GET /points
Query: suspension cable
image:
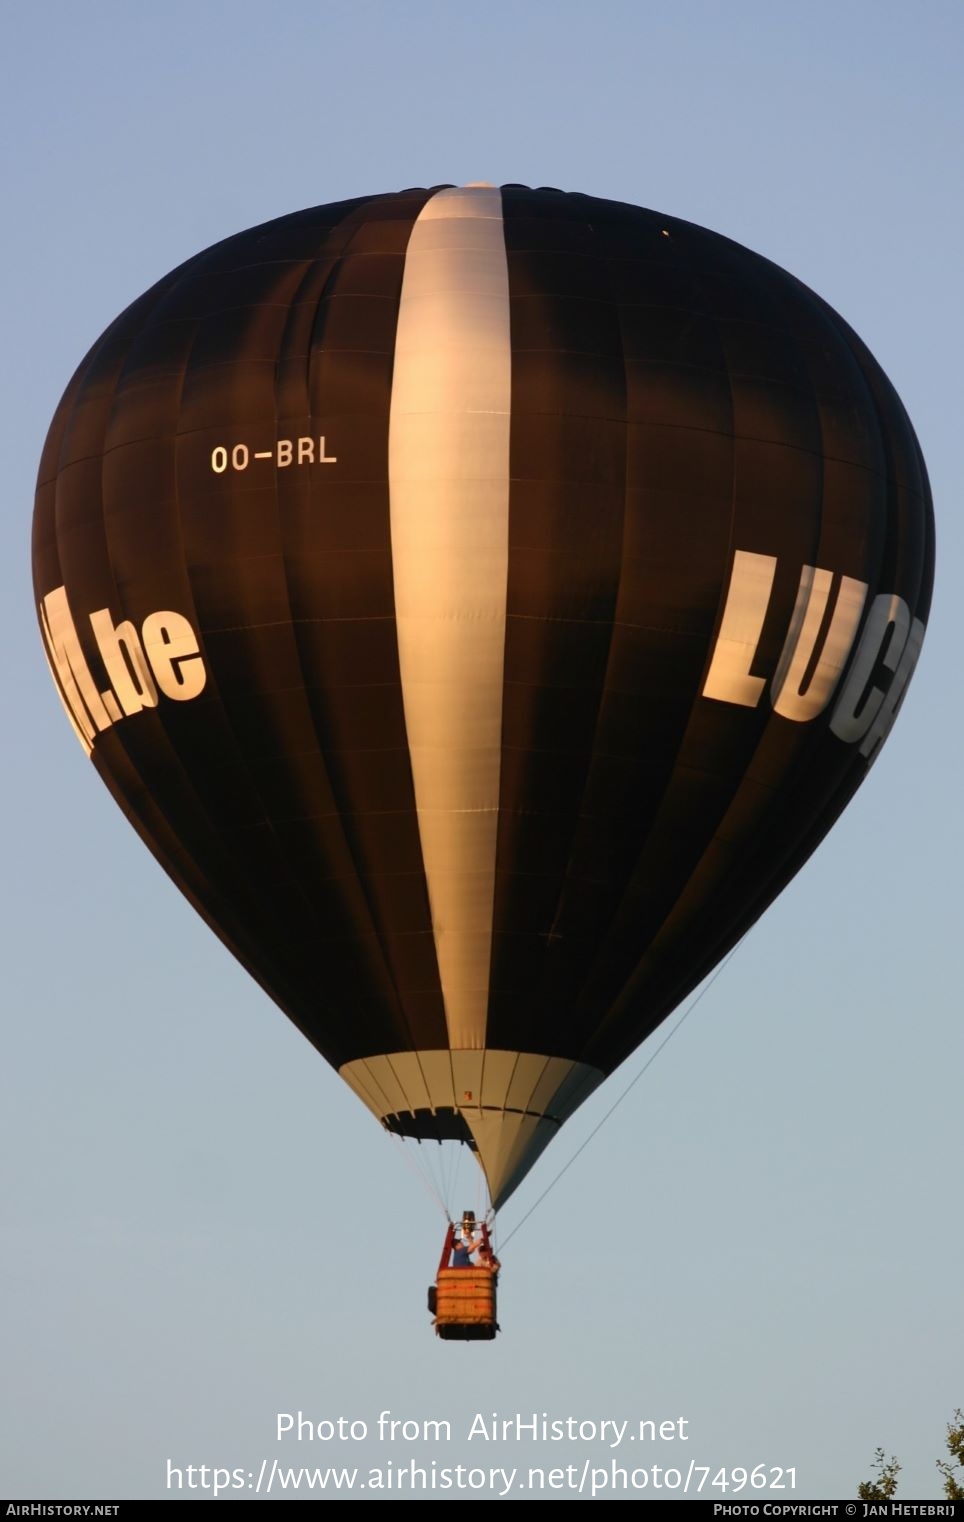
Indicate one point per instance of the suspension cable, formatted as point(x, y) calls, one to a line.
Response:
point(422, 1172)
point(631, 1085)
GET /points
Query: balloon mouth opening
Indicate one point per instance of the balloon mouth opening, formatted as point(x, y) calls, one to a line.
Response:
point(431, 1125)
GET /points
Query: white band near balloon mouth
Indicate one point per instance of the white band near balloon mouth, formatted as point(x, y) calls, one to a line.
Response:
point(511, 1103)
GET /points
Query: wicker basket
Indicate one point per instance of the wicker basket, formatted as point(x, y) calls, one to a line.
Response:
point(465, 1304)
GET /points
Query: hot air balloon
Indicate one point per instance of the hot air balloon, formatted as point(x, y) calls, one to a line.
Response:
point(481, 602)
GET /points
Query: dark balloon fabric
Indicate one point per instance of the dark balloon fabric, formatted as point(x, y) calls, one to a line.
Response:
point(481, 603)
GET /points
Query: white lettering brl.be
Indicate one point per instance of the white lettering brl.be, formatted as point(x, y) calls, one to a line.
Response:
point(164, 655)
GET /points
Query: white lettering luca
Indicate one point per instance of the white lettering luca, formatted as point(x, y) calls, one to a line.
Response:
point(890, 640)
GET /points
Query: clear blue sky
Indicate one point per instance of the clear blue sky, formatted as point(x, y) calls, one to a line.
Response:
point(203, 1226)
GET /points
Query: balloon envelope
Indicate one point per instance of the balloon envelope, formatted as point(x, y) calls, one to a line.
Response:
point(481, 602)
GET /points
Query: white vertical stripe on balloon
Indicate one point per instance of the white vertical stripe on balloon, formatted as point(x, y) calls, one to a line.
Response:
point(448, 465)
